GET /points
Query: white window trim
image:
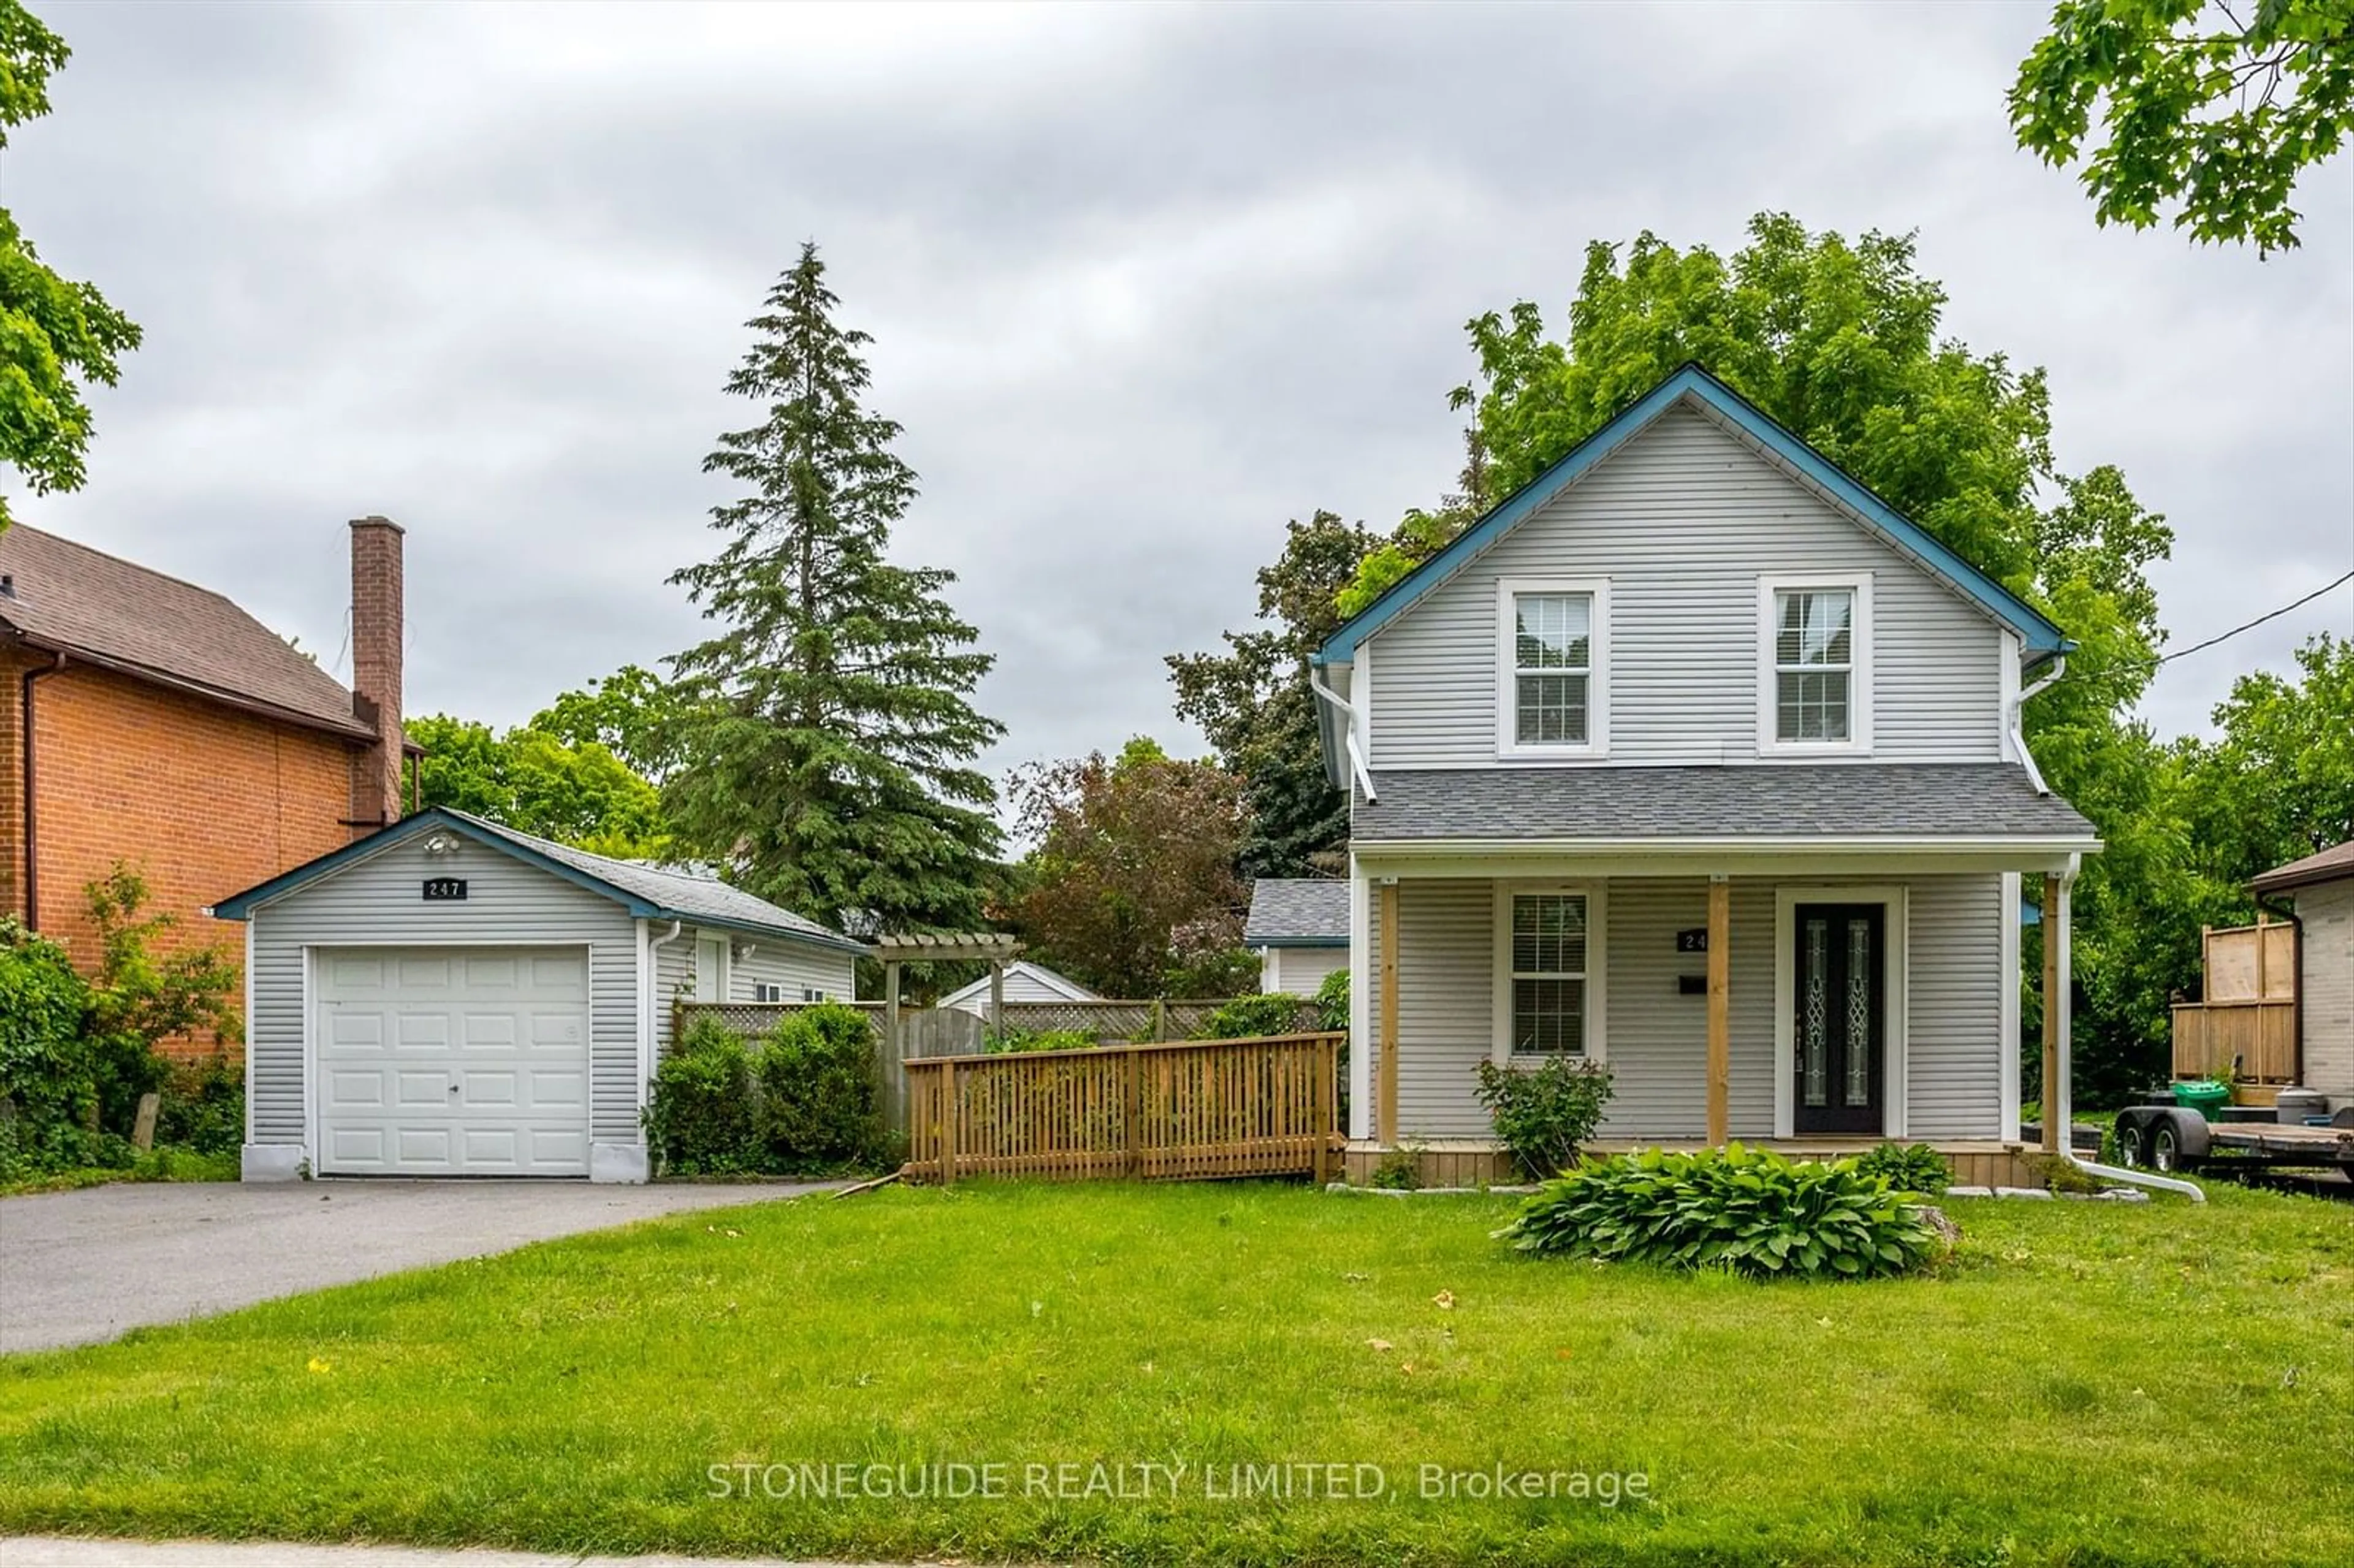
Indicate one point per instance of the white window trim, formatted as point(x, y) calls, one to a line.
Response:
point(1598, 926)
point(1860, 639)
point(1596, 743)
point(1895, 957)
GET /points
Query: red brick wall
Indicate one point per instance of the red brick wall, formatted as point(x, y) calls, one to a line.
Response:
point(202, 800)
point(12, 784)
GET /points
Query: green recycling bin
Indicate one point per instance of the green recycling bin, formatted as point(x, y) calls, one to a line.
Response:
point(2204, 1095)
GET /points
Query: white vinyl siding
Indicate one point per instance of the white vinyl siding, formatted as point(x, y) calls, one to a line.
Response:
point(1683, 523)
point(378, 902)
point(1299, 971)
point(1657, 1037)
point(795, 966)
point(2326, 914)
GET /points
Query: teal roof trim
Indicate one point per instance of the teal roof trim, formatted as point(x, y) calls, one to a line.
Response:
point(491, 835)
point(2042, 638)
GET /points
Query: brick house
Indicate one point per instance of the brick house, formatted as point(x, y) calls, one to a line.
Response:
point(148, 720)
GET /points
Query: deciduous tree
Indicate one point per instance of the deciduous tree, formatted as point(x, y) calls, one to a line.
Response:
point(56, 333)
point(1132, 888)
point(532, 781)
point(2213, 110)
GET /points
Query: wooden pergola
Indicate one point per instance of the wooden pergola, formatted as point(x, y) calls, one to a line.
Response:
point(994, 949)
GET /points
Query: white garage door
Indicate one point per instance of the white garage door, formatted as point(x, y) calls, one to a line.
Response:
point(452, 1061)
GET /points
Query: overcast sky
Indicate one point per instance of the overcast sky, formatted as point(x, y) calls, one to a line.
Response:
point(1144, 283)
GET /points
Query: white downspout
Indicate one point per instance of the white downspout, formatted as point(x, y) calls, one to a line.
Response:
point(2059, 1100)
point(653, 1003)
point(1357, 768)
point(2019, 724)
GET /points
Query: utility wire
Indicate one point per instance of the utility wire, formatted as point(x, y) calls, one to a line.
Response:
point(2250, 626)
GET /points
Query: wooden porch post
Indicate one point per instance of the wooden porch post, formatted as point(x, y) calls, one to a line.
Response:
point(1719, 996)
point(1386, 1091)
point(2052, 1010)
point(997, 999)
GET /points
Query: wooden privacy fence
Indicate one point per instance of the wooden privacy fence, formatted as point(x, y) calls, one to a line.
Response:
point(2249, 1011)
point(1183, 1110)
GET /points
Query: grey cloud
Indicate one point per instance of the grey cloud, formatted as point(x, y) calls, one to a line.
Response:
point(1143, 284)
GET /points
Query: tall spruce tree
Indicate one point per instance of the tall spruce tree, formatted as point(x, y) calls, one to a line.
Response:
point(828, 736)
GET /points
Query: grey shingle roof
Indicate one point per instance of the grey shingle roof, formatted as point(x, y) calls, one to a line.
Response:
point(1290, 911)
point(70, 596)
point(1826, 801)
point(2329, 865)
point(679, 895)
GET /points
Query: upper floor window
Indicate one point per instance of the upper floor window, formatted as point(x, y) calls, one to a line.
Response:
point(1552, 694)
point(1814, 688)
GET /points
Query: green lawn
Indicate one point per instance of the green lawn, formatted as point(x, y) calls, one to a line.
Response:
point(2085, 1384)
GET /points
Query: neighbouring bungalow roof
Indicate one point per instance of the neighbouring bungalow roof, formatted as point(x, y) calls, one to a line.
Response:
point(1829, 801)
point(2329, 865)
point(2042, 639)
point(1062, 985)
point(650, 892)
point(72, 600)
point(1298, 912)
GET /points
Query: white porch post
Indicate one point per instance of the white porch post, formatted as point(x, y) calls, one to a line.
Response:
point(1720, 992)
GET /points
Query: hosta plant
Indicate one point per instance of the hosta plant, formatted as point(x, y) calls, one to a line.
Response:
point(1749, 1210)
point(1909, 1167)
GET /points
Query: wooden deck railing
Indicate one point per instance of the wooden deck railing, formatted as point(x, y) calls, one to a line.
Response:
point(1181, 1111)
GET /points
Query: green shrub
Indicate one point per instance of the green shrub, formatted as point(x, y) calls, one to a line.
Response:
point(1270, 1012)
point(817, 1107)
point(203, 1107)
point(46, 1083)
point(700, 1117)
point(1332, 1001)
point(1908, 1168)
point(1399, 1171)
point(1020, 1039)
point(1542, 1115)
point(1747, 1210)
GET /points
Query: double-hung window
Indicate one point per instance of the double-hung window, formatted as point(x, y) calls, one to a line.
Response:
point(1552, 695)
point(1815, 691)
point(1548, 938)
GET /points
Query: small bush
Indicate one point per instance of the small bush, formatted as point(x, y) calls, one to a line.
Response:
point(1908, 1168)
point(1399, 1171)
point(1544, 1115)
point(699, 1116)
point(1332, 1001)
point(817, 1108)
point(203, 1107)
point(1270, 1012)
point(48, 1092)
point(1750, 1211)
point(1018, 1039)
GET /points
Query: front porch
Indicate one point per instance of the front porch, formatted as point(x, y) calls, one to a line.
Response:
point(1475, 1162)
point(1816, 1005)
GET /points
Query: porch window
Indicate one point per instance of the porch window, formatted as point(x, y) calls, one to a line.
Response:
point(1553, 668)
point(1549, 932)
point(1814, 666)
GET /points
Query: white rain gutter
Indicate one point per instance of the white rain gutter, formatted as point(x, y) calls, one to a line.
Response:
point(1357, 768)
point(2019, 723)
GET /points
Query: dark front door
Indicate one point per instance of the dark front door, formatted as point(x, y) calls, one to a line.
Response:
point(1840, 1023)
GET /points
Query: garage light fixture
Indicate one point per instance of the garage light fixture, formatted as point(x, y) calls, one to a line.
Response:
point(441, 843)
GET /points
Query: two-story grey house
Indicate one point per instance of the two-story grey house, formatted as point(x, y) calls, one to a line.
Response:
point(1696, 759)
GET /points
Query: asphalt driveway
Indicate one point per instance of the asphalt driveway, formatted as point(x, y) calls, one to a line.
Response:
point(79, 1267)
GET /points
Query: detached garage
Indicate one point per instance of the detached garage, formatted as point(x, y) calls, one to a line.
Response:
point(452, 998)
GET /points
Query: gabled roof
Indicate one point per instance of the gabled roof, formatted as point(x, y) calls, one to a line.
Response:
point(2329, 865)
point(72, 600)
point(1298, 912)
point(650, 892)
point(1040, 975)
point(2042, 639)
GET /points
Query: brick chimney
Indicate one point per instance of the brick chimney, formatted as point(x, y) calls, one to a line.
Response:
point(376, 795)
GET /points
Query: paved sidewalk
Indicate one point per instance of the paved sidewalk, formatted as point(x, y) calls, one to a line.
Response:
point(45, 1551)
point(79, 1267)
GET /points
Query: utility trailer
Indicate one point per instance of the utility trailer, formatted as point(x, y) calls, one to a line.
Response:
point(2171, 1137)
